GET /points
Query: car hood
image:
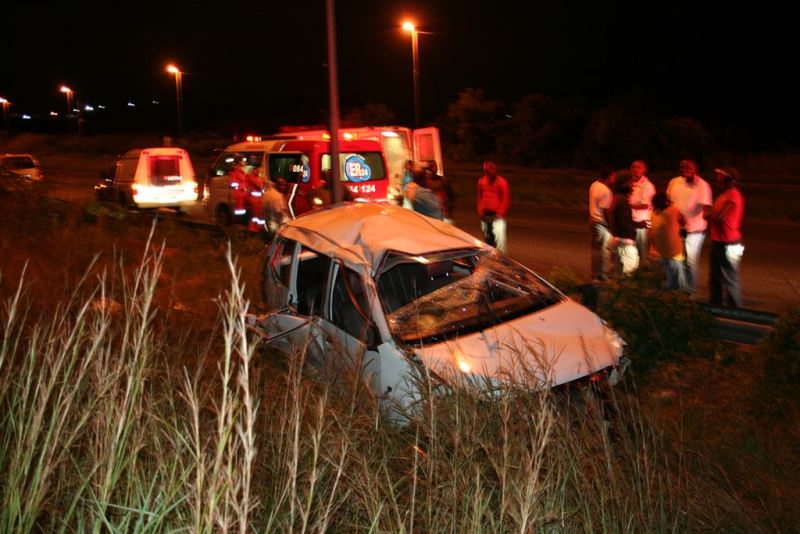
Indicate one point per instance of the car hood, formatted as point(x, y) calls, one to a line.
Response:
point(557, 345)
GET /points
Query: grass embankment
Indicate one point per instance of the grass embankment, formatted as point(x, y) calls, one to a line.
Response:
point(131, 400)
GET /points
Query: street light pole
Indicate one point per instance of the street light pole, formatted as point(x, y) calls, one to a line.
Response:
point(172, 69)
point(68, 92)
point(333, 95)
point(409, 27)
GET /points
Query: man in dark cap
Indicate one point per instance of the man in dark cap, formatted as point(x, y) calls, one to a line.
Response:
point(725, 221)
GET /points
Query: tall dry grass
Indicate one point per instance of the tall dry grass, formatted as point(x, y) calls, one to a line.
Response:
point(104, 426)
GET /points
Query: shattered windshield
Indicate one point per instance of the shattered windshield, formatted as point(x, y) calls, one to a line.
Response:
point(439, 296)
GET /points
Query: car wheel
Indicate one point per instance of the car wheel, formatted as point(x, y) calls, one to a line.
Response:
point(222, 216)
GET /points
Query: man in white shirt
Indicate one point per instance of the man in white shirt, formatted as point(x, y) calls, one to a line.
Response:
point(641, 201)
point(599, 200)
point(692, 196)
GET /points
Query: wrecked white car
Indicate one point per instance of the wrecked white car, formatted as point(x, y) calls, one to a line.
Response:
point(402, 292)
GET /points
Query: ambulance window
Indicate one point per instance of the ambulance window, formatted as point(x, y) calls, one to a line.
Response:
point(425, 147)
point(228, 159)
point(111, 173)
point(291, 167)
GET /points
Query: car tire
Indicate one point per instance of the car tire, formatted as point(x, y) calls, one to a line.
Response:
point(222, 216)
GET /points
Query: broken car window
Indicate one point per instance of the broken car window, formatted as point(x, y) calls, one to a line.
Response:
point(435, 297)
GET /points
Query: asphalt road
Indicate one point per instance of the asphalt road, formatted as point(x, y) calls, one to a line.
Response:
point(547, 237)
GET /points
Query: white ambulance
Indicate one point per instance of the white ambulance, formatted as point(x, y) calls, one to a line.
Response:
point(160, 177)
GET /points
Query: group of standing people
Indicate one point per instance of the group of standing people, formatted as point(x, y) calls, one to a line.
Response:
point(428, 192)
point(250, 193)
point(630, 221)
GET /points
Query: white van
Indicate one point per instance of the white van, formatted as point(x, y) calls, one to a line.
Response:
point(160, 177)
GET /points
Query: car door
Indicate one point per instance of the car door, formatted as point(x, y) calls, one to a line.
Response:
point(348, 321)
point(299, 278)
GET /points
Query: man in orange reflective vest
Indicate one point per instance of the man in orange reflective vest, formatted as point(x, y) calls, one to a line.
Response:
point(237, 181)
point(255, 192)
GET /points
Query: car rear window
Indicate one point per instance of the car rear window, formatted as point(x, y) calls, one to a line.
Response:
point(19, 162)
point(165, 166)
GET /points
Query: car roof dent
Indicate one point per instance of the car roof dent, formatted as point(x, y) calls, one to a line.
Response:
point(360, 233)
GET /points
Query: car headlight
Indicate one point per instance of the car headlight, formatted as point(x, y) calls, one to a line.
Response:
point(614, 340)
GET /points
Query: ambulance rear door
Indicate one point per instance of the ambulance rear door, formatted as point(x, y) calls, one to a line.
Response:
point(428, 146)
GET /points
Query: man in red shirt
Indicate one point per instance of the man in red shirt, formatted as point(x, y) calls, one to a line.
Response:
point(726, 240)
point(493, 203)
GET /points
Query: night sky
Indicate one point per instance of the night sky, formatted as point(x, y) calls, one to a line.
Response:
point(263, 63)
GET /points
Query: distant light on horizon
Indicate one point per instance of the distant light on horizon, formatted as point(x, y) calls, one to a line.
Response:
point(25, 116)
point(131, 105)
point(53, 114)
point(155, 102)
point(100, 106)
point(87, 107)
point(409, 26)
point(65, 89)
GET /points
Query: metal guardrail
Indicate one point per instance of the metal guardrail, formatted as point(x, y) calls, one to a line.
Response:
point(734, 325)
point(738, 325)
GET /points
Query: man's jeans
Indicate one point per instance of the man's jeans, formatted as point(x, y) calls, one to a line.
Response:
point(676, 274)
point(494, 233)
point(601, 255)
point(723, 274)
point(694, 245)
point(641, 243)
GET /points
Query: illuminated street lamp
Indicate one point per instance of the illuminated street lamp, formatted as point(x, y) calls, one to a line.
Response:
point(172, 69)
point(412, 29)
point(68, 92)
point(5, 104)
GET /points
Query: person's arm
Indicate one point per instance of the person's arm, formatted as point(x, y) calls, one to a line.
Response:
point(505, 200)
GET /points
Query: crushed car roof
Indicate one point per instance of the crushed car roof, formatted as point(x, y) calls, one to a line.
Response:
point(360, 233)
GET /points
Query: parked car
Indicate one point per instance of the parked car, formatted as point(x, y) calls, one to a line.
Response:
point(150, 178)
point(19, 170)
point(410, 291)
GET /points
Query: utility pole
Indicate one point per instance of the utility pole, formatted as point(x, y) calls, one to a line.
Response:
point(333, 93)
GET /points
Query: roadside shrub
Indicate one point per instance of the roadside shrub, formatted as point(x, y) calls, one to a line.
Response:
point(657, 325)
point(566, 280)
point(781, 353)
